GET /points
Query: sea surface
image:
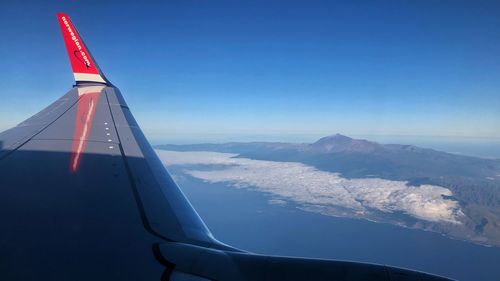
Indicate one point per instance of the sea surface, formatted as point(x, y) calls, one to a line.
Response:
point(256, 222)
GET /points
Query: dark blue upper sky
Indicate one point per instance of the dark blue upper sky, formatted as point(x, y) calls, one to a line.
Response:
point(219, 69)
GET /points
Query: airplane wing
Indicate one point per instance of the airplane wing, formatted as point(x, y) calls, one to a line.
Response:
point(83, 196)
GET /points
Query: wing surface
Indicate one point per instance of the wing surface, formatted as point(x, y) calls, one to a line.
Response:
point(81, 171)
point(80, 180)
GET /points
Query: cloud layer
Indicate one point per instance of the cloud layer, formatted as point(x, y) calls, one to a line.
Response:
point(318, 190)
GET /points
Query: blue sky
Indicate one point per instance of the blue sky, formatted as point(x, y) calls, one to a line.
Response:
point(289, 70)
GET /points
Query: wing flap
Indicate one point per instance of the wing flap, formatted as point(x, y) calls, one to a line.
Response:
point(231, 265)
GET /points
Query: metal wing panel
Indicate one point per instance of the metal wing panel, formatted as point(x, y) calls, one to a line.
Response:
point(89, 120)
point(15, 137)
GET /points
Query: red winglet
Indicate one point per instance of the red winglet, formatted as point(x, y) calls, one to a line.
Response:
point(84, 67)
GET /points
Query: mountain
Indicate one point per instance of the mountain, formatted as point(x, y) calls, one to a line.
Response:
point(340, 143)
point(474, 182)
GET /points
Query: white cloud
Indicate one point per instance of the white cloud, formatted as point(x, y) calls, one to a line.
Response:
point(318, 189)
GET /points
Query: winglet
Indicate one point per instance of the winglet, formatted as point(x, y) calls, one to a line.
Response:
point(83, 64)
